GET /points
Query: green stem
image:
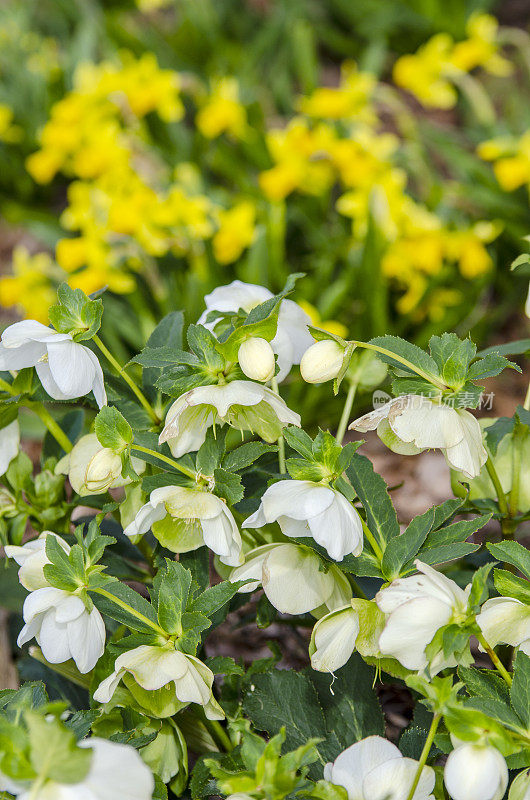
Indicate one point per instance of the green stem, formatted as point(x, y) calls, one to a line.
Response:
point(369, 535)
point(346, 411)
point(358, 592)
point(424, 755)
point(181, 468)
point(425, 375)
point(70, 674)
point(219, 734)
point(130, 610)
point(56, 431)
point(281, 440)
point(501, 497)
point(499, 666)
point(526, 404)
point(121, 371)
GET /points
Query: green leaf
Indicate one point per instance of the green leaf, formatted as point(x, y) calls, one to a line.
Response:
point(489, 366)
point(452, 356)
point(129, 597)
point(54, 751)
point(205, 346)
point(171, 593)
point(520, 688)
point(517, 348)
point(228, 486)
point(485, 683)
point(410, 352)
point(512, 553)
point(479, 587)
point(61, 572)
point(76, 313)
point(509, 585)
point(113, 430)
point(224, 665)
point(245, 455)
point(299, 440)
point(403, 548)
point(215, 597)
point(373, 493)
point(211, 451)
point(495, 433)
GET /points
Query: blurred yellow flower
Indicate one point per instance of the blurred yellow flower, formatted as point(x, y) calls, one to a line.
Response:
point(9, 133)
point(29, 289)
point(481, 48)
point(330, 325)
point(429, 73)
point(302, 156)
point(236, 231)
point(222, 112)
point(424, 73)
point(350, 100)
point(511, 159)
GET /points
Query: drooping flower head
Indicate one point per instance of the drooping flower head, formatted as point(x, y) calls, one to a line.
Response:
point(305, 508)
point(411, 423)
point(184, 519)
point(244, 405)
point(65, 368)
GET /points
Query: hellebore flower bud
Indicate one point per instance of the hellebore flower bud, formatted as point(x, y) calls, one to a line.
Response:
point(256, 359)
point(322, 361)
point(102, 470)
point(475, 772)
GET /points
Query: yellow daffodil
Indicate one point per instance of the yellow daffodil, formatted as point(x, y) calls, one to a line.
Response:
point(222, 112)
point(480, 49)
point(236, 231)
point(330, 325)
point(424, 73)
point(29, 289)
point(350, 100)
point(511, 159)
point(9, 133)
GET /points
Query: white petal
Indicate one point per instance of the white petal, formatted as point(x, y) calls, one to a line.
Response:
point(145, 517)
point(292, 580)
point(393, 780)
point(87, 640)
point(252, 568)
point(338, 529)
point(117, 770)
point(53, 639)
point(41, 600)
point(426, 424)
point(411, 627)
point(222, 536)
point(370, 421)
point(351, 767)
point(476, 773)
point(469, 455)
point(9, 444)
point(72, 370)
point(297, 499)
point(334, 640)
point(506, 620)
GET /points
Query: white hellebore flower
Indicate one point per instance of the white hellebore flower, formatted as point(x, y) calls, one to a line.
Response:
point(31, 558)
point(357, 626)
point(305, 508)
point(292, 336)
point(475, 772)
point(116, 770)
point(256, 359)
point(374, 769)
point(293, 580)
point(411, 423)
point(322, 361)
point(506, 620)
point(153, 668)
point(417, 607)
point(9, 445)
point(244, 405)
point(184, 519)
point(92, 468)
point(65, 368)
point(63, 627)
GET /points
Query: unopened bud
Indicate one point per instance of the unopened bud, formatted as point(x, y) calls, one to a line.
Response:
point(322, 361)
point(256, 359)
point(102, 470)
